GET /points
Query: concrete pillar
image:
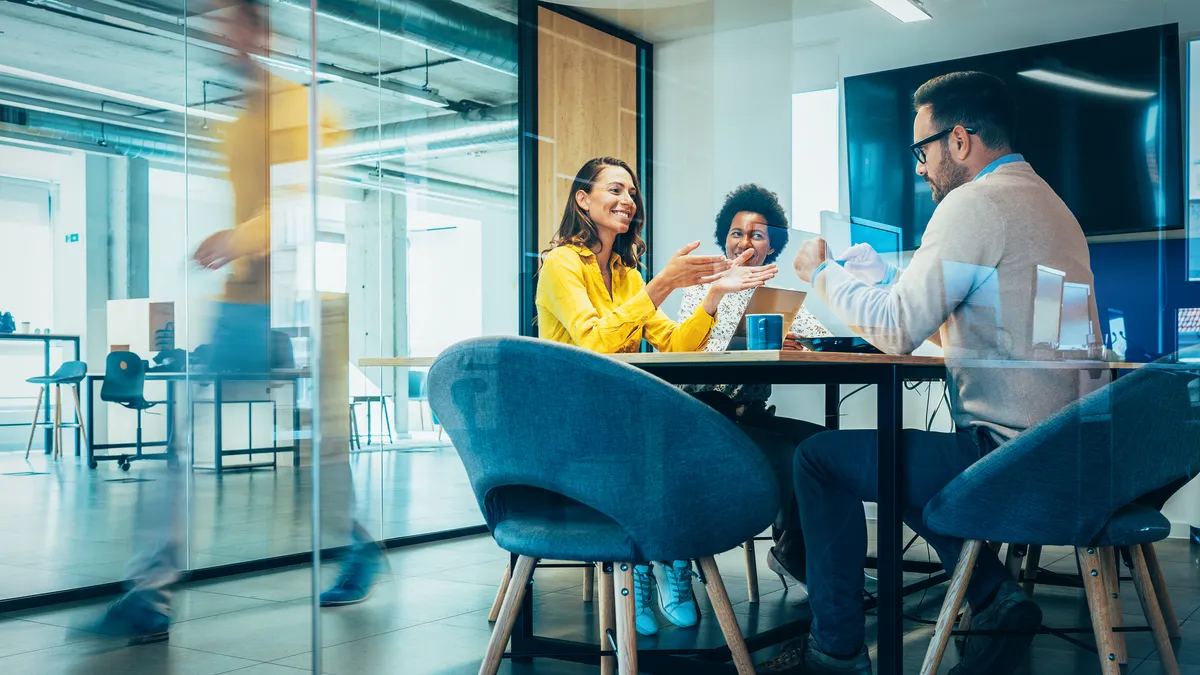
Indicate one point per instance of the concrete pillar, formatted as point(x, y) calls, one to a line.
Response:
point(377, 283)
point(128, 185)
point(137, 209)
point(96, 271)
point(501, 272)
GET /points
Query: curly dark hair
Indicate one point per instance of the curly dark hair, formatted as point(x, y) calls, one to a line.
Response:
point(756, 199)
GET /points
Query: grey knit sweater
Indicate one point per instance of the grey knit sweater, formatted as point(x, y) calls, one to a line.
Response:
point(971, 287)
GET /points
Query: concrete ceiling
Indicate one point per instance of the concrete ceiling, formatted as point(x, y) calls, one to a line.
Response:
point(666, 20)
point(73, 42)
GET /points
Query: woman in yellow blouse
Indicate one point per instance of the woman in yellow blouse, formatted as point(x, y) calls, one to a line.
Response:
point(591, 294)
point(590, 289)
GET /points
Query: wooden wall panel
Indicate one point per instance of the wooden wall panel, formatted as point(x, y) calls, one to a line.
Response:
point(587, 107)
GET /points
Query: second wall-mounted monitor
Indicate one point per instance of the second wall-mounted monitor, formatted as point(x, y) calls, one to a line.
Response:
point(1076, 329)
point(1047, 305)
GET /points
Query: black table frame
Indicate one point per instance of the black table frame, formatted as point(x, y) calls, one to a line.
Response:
point(889, 379)
point(217, 380)
point(48, 439)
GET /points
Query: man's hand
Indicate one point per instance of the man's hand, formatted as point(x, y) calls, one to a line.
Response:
point(216, 251)
point(866, 265)
point(811, 255)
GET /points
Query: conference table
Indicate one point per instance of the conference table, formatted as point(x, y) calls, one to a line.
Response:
point(888, 373)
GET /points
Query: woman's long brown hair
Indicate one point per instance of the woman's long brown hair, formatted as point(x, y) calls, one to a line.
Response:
point(576, 226)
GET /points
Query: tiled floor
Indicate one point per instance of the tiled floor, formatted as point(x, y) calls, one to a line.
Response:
point(428, 616)
point(66, 526)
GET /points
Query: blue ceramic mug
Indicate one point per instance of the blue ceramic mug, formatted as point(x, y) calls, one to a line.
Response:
point(764, 331)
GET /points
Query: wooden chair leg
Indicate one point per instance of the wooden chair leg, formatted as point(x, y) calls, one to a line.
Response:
point(1090, 564)
point(751, 571)
point(626, 615)
point(1151, 607)
point(517, 586)
point(495, 613)
point(1031, 568)
point(589, 583)
point(725, 616)
point(79, 414)
point(1111, 576)
point(1160, 589)
point(1012, 562)
point(57, 422)
point(951, 603)
point(37, 410)
point(608, 619)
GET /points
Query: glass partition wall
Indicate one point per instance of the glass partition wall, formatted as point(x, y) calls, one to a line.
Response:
point(159, 201)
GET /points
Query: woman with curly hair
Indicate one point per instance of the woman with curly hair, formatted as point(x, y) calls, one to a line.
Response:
point(752, 220)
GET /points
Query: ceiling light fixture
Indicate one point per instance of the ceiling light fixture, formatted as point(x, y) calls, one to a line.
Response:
point(1088, 85)
point(112, 93)
point(907, 11)
point(295, 68)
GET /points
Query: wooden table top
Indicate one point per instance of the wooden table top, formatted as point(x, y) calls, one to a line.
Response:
point(702, 358)
point(759, 357)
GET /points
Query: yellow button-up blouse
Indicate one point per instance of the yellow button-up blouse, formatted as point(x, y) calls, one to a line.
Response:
point(574, 307)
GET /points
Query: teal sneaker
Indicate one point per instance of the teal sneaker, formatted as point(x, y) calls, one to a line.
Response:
point(644, 620)
point(675, 597)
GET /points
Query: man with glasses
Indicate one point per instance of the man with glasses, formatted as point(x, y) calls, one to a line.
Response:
point(970, 288)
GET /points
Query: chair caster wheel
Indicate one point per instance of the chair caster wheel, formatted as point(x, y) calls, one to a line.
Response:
point(125, 466)
point(93, 464)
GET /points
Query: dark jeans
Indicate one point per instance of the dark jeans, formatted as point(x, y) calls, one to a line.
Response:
point(777, 437)
point(836, 472)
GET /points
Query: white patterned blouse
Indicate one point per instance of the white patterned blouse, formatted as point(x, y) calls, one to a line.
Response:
point(729, 313)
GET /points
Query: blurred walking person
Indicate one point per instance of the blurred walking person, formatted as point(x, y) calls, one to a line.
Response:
point(271, 133)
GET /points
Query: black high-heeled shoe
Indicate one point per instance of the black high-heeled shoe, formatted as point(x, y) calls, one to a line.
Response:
point(776, 564)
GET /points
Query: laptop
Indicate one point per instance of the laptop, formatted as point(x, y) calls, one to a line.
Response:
point(768, 300)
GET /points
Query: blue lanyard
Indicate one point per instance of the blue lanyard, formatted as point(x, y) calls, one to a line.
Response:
point(999, 162)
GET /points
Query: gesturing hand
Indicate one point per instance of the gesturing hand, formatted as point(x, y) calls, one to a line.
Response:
point(810, 256)
point(740, 278)
point(866, 265)
point(684, 270)
point(216, 251)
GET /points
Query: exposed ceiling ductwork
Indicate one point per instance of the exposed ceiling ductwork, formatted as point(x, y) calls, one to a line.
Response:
point(440, 134)
point(444, 133)
point(77, 133)
point(440, 25)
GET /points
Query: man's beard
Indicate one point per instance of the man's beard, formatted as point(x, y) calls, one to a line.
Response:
point(952, 174)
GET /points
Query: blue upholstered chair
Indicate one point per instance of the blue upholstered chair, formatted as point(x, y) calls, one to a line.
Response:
point(1082, 478)
point(575, 456)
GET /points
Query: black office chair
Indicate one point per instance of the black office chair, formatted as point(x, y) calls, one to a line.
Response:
point(125, 385)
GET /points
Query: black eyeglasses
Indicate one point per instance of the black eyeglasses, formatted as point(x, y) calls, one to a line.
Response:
point(918, 148)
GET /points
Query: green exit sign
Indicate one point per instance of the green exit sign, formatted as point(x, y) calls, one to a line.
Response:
point(72, 238)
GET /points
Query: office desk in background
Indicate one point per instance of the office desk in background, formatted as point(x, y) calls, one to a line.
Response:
point(46, 339)
point(218, 382)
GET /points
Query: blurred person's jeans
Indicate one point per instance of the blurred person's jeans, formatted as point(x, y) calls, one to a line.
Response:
point(239, 344)
point(836, 471)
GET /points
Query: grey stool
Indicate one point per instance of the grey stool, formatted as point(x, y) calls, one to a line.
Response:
point(575, 456)
point(1082, 478)
point(70, 373)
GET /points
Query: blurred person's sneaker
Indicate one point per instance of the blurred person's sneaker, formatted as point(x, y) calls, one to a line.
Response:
point(353, 585)
point(802, 656)
point(675, 596)
point(644, 620)
point(1011, 610)
point(133, 619)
